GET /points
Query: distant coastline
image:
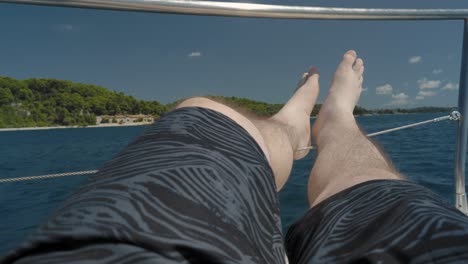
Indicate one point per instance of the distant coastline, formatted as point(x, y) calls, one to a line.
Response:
point(147, 124)
point(68, 127)
point(37, 104)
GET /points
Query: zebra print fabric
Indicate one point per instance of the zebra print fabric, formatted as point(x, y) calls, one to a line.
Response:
point(381, 221)
point(194, 188)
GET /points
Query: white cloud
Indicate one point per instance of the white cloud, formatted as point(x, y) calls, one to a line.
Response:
point(400, 96)
point(424, 83)
point(64, 27)
point(437, 71)
point(423, 94)
point(384, 89)
point(450, 86)
point(399, 99)
point(195, 54)
point(426, 93)
point(415, 59)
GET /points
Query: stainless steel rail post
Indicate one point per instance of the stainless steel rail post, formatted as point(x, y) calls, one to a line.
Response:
point(462, 138)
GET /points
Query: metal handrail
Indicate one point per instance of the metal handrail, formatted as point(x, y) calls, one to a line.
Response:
point(254, 10)
point(306, 12)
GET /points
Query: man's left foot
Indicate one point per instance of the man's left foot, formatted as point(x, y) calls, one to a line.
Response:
point(296, 112)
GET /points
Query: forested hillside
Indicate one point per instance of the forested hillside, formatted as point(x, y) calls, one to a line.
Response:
point(51, 102)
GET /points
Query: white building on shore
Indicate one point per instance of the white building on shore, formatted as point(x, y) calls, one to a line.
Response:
point(124, 119)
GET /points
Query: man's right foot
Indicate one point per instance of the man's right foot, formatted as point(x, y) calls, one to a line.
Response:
point(343, 95)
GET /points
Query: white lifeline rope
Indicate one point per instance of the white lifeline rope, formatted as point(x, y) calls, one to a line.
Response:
point(455, 115)
point(65, 174)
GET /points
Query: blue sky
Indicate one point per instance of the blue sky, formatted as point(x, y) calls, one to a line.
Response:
point(167, 57)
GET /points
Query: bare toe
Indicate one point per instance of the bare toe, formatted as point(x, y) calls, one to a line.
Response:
point(358, 65)
point(361, 70)
point(349, 58)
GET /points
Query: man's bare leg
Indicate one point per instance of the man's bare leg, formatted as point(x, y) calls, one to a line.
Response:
point(281, 135)
point(346, 157)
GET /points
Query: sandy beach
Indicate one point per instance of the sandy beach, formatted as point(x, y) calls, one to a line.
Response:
point(66, 127)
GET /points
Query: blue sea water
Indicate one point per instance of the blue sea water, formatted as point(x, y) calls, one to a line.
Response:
point(424, 154)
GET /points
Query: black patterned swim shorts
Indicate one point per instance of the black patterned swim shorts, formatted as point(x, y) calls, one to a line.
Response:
point(197, 188)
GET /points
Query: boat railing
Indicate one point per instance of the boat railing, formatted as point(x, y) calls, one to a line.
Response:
point(215, 8)
point(212, 8)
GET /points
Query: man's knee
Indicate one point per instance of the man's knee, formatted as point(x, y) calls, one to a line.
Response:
point(240, 119)
point(197, 102)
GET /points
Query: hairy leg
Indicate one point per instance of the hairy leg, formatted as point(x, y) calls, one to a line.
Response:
point(346, 157)
point(281, 135)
